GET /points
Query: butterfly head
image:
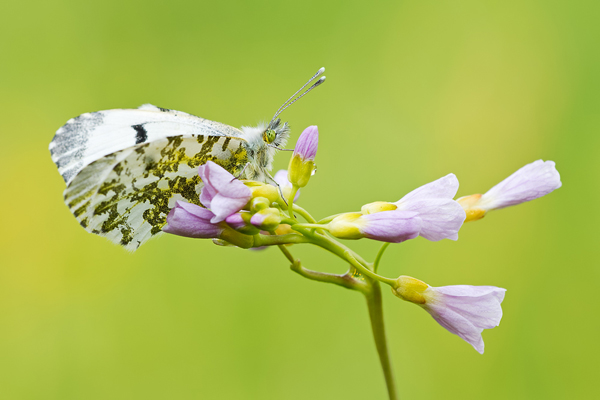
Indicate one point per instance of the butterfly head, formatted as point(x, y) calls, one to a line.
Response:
point(276, 134)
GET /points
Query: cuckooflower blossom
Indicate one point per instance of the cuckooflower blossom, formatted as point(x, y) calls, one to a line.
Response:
point(307, 144)
point(386, 226)
point(463, 310)
point(302, 164)
point(222, 193)
point(190, 220)
point(529, 182)
point(441, 216)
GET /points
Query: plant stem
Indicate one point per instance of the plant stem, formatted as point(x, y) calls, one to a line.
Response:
point(342, 251)
point(379, 255)
point(376, 315)
point(309, 226)
point(305, 214)
point(270, 240)
point(291, 202)
point(329, 219)
point(345, 280)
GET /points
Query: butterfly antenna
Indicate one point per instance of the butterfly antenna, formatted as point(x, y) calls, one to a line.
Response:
point(288, 103)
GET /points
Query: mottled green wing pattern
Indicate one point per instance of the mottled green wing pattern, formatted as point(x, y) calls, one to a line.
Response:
point(126, 196)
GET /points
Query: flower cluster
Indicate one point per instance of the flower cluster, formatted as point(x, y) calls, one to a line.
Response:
point(252, 214)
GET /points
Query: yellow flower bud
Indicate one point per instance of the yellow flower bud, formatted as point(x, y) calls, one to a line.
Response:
point(300, 171)
point(378, 206)
point(410, 289)
point(259, 203)
point(266, 219)
point(346, 226)
point(283, 229)
point(265, 190)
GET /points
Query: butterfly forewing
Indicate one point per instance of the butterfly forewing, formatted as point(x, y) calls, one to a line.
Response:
point(124, 190)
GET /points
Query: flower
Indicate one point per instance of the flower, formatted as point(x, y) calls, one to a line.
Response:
point(462, 309)
point(222, 193)
point(386, 226)
point(441, 216)
point(302, 164)
point(281, 177)
point(307, 144)
point(529, 182)
point(237, 220)
point(266, 219)
point(190, 220)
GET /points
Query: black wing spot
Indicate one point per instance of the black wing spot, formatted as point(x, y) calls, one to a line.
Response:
point(140, 134)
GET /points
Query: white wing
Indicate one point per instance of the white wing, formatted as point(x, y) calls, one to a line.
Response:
point(125, 169)
point(88, 137)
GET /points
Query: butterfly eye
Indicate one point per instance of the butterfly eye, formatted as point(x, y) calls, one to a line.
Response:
point(269, 136)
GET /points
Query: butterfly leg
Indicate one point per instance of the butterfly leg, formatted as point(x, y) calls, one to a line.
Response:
point(242, 171)
point(279, 148)
point(274, 182)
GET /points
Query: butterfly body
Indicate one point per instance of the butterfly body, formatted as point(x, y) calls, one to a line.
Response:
point(125, 168)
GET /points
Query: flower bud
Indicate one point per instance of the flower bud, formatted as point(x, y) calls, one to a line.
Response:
point(259, 203)
point(410, 289)
point(302, 164)
point(266, 219)
point(386, 226)
point(346, 226)
point(284, 229)
point(240, 221)
point(378, 206)
point(260, 189)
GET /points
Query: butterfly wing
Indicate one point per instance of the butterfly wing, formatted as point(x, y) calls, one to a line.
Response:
point(125, 169)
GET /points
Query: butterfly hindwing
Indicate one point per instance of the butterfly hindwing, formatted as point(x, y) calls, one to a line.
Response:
point(123, 190)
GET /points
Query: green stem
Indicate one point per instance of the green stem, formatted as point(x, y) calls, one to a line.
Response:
point(341, 280)
point(342, 251)
point(271, 240)
point(379, 255)
point(328, 219)
point(305, 214)
point(376, 315)
point(291, 202)
point(309, 226)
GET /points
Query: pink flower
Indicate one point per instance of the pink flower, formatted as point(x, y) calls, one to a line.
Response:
point(386, 226)
point(441, 216)
point(307, 144)
point(530, 182)
point(222, 193)
point(190, 220)
point(302, 165)
point(463, 310)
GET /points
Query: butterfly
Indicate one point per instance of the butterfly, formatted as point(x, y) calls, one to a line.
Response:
point(125, 168)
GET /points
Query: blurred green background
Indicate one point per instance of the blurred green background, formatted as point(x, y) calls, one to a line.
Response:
point(415, 90)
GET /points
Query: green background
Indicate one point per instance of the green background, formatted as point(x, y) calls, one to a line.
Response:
point(415, 90)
